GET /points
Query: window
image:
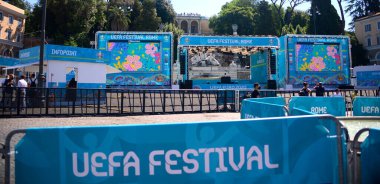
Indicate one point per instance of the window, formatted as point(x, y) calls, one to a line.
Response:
point(9, 34)
point(1, 15)
point(378, 25)
point(18, 39)
point(10, 19)
point(378, 40)
point(368, 42)
point(19, 22)
point(367, 27)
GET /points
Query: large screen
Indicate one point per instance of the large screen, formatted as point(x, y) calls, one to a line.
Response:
point(312, 57)
point(136, 56)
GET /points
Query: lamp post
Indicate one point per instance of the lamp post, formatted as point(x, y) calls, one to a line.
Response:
point(41, 77)
point(315, 13)
point(234, 29)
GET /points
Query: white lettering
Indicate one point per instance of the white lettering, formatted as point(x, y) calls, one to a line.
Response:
point(258, 158)
point(169, 162)
point(222, 167)
point(85, 165)
point(135, 163)
point(153, 162)
point(95, 164)
point(319, 110)
point(370, 109)
point(207, 157)
point(112, 162)
point(63, 52)
point(267, 159)
point(187, 160)
point(231, 158)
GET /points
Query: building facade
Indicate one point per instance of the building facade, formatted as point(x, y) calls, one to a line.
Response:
point(367, 30)
point(12, 27)
point(193, 23)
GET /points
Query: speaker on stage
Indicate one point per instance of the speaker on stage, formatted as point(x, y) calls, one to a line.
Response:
point(272, 84)
point(188, 84)
point(225, 80)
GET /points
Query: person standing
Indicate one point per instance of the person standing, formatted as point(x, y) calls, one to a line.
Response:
point(71, 92)
point(22, 84)
point(32, 92)
point(8, 91)
point(256, 93)
point(319, 89)
point(305, 91)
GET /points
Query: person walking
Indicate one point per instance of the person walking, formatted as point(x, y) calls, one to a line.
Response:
point(305, 91)
point(319, 89)
point(22, 84)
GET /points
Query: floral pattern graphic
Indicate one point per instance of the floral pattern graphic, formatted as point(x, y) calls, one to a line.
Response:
point(317, 64)
point(150, 49)
point(133, 63)
point(318, 57)
point(136, 56)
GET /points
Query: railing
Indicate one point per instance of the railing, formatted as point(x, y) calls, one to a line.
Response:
point(18, 102)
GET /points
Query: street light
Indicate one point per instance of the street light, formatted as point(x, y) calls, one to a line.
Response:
point(315, 13)
point(42, 47)
point(234, 29)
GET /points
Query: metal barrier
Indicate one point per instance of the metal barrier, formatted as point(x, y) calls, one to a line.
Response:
point(17, 102)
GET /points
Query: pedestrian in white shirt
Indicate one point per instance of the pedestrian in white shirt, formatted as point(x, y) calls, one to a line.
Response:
point(22, 84)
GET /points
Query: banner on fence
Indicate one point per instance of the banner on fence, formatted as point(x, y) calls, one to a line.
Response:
point(262, 108)
point(370, 157)
point(246, 151)
point(318, 105)
point(366, 106)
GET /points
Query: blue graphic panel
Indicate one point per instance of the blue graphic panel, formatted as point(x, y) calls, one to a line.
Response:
point(30, 55)
point(262, 108)
point(318, 59)
point(247, 151)
point(366, 106)
point(317, 105)
point(368, 79)
point(138, 59)
point(76, 54)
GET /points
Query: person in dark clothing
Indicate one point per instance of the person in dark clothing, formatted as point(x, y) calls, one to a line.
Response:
point(319, 89)
point(305, 91)
point(71, 92)
point(256, 93)
point(8, 90)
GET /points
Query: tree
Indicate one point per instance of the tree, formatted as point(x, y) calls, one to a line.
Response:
point(361, 8)
point(264, 20)
point(358, 53)
point(70, 25)
point(177, 32)
point(324, 19)
point(165, 11)
point(136, 11)
point(148, 19)
point(235, 12)
point(117, 19)
point(23, 4)
point(343, 21)
point(279, 9)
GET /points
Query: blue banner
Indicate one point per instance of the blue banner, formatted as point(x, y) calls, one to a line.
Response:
point(7, 61)
point(76, 54)
point(367, 79)
point(318, 105)
point(189, 40)
point(223, 86)
point(30, 55)
point(366, 106)
point(370, 157)
point(246, 151)
point(262, 108)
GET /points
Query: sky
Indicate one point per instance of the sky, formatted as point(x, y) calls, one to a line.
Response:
point(209, 8)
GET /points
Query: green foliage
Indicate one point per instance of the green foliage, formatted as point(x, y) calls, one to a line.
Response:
point(243, 16)
point(264, 20)
point(148, 19)
point(177, 32)
point(327, 21)
point(360, 8)
point(358, 53)
point(117, 19)
point(23, 4)
point(165, 11)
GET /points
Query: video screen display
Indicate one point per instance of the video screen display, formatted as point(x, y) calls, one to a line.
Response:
point(138, 56)
point(312, 57)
